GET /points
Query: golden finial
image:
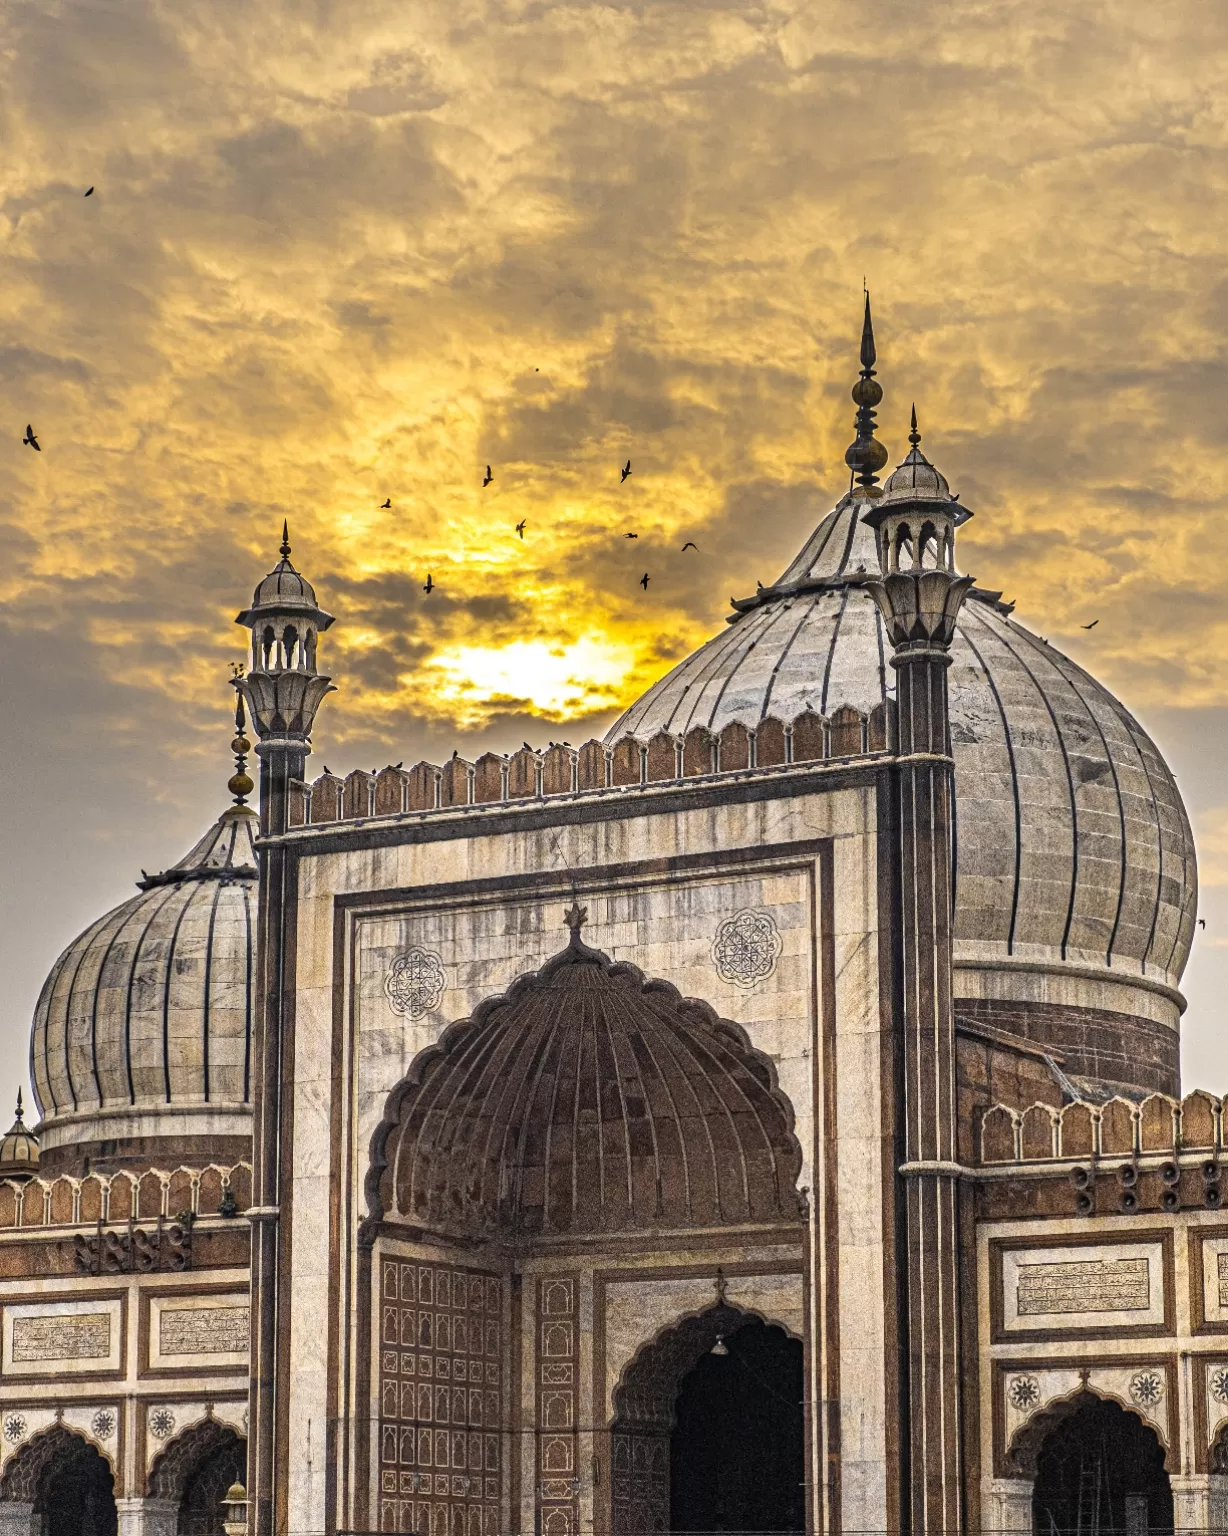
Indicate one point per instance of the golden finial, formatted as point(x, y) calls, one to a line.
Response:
point(240, 785)
point(866, 455)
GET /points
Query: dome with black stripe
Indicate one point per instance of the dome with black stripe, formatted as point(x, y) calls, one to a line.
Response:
point(1075, 873)
point(142, 1032)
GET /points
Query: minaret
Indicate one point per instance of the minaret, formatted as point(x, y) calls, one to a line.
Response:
point(282, 690)
point(865, 456)
point(920, 596)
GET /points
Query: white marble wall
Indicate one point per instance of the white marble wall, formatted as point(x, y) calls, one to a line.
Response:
point(664, 920)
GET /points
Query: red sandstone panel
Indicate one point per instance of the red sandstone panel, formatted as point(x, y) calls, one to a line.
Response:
point(808, 735)
point(734, 752)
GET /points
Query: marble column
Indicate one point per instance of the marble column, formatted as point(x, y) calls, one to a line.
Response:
point(16, 1518)
point(147, 1517)
point(1010, 1505)
point(1200, 1502)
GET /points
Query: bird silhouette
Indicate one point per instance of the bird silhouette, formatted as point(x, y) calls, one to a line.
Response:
point(90, 193)
point(520, 526)
point(384, 505)
point(630, 535)
point(430, 583)
point(1092, 625)
point(626, 471)
point(401, 764)
point(690, 545)
point(328, 770)
point(1202, 922)
point(644, 581)
point(30, 440)
point(489, 476)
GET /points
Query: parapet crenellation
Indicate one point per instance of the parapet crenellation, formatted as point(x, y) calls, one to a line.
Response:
point(1121, 1128)
point(562, 769)
point(116, 1198)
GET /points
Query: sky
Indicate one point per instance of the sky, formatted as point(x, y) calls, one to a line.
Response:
point(345, 253)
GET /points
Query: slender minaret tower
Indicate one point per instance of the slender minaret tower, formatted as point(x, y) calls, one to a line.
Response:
point(283, 690)
point(920, 596)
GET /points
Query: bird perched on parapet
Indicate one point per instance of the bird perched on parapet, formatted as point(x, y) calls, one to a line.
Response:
point(401, 764)
point(327, 770)
point(489, 476)
point(520, 526)
point(384, 505)
point(430, 583)
point(30, 440)
point(626, 471)
point(690, 544)
point(644, 581)
point(1092, 625)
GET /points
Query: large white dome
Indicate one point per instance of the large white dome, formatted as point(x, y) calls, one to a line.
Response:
point(1075, 872)
point(143, 1028)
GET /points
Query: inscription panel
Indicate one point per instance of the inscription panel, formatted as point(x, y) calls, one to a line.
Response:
point(61, 1338)
point(190, 1331)
point(1087, 1285)
point(1214, 1262)
point(1119, 1285)
point(203, 1331)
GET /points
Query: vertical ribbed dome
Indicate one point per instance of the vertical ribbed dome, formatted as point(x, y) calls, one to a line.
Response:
point(1076, 882)
point(143, 1027)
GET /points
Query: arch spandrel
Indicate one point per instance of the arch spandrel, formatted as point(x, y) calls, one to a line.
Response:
point(587, 1098)
point(1026, 1444)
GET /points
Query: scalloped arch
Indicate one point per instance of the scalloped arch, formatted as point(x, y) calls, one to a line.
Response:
point(587, 1098)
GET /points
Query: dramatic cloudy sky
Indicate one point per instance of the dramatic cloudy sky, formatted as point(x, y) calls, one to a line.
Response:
point(343, 252)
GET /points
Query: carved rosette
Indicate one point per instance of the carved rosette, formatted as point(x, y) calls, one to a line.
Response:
point(1142, 1389)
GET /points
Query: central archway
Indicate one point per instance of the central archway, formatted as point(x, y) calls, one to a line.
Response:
point(709, 1430)
point(68, 1483)
point(1100, 1472)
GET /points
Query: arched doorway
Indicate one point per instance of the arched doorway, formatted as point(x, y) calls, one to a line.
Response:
point(1100, 1472)
point(195, 1472)
point(709, 1430)
point(67, 1481)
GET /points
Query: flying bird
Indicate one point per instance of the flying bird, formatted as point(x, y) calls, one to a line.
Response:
point(644, 581)
point(1092, 625)
point(489, 476)
point(626, 471)
point(430, 583)
point(520, 526)
point(384, 505)
point(630, 535)
point(30, 439)
point(90, 193)
point(690, 544)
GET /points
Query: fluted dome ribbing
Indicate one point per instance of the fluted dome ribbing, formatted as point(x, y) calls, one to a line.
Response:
point(1075, 869)
point(143, 1027)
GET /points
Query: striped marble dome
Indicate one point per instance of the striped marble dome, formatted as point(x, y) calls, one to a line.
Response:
point(1075, 872)
point(143, 1028)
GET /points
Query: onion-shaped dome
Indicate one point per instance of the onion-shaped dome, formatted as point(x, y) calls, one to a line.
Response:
point(143, 1028)
point(18, 1148)
point(587, 1099)
point(1075, 873)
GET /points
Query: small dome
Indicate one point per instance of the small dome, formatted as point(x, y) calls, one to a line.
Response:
point(18, 1149)
point(587, 1099)
point(1074, 862)
point(283, 587)
point(916, 479)
point(143, 1028)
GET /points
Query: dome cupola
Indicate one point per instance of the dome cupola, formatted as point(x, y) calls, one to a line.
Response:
point(18, 1148)
point(1075, 874)
point(142, 1033)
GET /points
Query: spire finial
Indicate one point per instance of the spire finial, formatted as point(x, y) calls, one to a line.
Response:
point(240, 785)
point(914, 437)
point(20, 1111)
point(285, 539)
point(575, 917)
point(866, 455)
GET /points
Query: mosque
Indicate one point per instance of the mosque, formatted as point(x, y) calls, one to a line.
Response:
point(764, 1118)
